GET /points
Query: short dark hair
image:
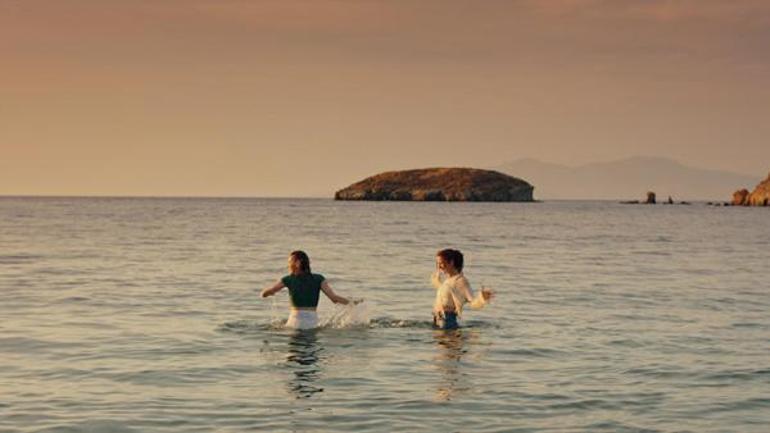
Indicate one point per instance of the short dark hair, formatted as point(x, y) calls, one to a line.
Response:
point(453, 256)
point(303, 259)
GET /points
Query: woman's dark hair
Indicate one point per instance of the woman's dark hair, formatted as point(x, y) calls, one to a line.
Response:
point(453, 256)
point(303, 259)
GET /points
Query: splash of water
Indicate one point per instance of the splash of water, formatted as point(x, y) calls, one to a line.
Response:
point(274, 315)
point(347, 316)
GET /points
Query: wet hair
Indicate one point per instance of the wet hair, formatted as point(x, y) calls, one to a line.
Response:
point(303, 259)
point(453, 256)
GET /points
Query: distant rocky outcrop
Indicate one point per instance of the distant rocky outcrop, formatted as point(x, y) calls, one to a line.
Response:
point(761, 194)
point(650, 197)
point(741, 197)
point(439, 184)
point(759, 197)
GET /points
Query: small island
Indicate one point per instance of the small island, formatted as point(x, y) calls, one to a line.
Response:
point(439, 184)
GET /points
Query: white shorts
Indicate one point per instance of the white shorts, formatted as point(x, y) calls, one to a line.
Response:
point(302, 319)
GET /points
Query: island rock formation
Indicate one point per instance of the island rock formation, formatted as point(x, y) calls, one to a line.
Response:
point(759, 197)
point(761, 194)
point(651, 197)
point(740, 197)
point(439, 184)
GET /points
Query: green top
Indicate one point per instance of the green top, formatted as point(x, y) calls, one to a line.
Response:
point(304, 289)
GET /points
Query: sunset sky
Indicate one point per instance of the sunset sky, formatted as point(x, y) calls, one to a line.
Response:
point(300, 98)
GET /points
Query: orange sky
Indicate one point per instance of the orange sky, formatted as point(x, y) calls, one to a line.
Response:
point(296, 98)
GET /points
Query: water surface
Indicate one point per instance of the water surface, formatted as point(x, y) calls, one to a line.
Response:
point(140, 315)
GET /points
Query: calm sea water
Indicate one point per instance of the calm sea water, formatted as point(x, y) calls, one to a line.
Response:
point(140, 315)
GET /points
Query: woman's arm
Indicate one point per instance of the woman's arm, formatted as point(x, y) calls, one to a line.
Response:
point(270, 291)
point(337, 299)
point(478, 301)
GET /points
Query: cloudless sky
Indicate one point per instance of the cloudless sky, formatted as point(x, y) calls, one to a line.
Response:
point(299, 98)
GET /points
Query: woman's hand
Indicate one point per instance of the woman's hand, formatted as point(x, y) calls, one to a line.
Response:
point(487, 294)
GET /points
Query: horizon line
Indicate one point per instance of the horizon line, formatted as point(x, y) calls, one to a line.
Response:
point(158, 196)
point(226, 197)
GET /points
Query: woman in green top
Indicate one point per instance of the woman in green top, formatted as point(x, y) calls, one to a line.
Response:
point(304, 290)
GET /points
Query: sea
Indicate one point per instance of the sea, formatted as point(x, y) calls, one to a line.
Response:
point(135, 315)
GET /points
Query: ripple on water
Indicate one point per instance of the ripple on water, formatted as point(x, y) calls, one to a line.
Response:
point(532, 352)
point(662, 372)
point(750, 325)
point(27, 344)
point(255, 326)
point(732, 406)
point(177, 376)
point(617, 427)
point(250, 326)
point(75, 299)
point(731, 376)
point(19, 259)
point(100, 426)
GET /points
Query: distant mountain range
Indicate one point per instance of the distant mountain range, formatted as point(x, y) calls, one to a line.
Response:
point(629, 178)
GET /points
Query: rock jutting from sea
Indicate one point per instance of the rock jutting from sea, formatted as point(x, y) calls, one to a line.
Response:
point(439, 184)
point(759, 197)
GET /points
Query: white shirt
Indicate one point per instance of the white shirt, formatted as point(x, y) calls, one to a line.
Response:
point(453, 293)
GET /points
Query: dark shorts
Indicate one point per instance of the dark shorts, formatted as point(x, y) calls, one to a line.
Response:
point(445, 321)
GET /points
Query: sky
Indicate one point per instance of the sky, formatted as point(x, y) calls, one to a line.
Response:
point(301, 98)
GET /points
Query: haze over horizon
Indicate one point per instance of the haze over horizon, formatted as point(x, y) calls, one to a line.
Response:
point(628, 179)
point(299, 98)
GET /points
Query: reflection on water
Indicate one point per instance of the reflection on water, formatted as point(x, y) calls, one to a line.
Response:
point(451, 348)
point(304, 354)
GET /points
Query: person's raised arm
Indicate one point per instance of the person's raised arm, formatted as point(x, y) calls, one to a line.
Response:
point(337, 299)
point(270, 291)
point(478, 301)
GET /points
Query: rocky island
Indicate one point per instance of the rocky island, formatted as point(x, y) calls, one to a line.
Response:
point(759, 197)
point(439, 184)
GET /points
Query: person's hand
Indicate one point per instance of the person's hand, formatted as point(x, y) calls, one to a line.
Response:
point(357, 301)
point(487, 294)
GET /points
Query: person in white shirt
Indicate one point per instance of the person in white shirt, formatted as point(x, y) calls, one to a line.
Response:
point(453, 290)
